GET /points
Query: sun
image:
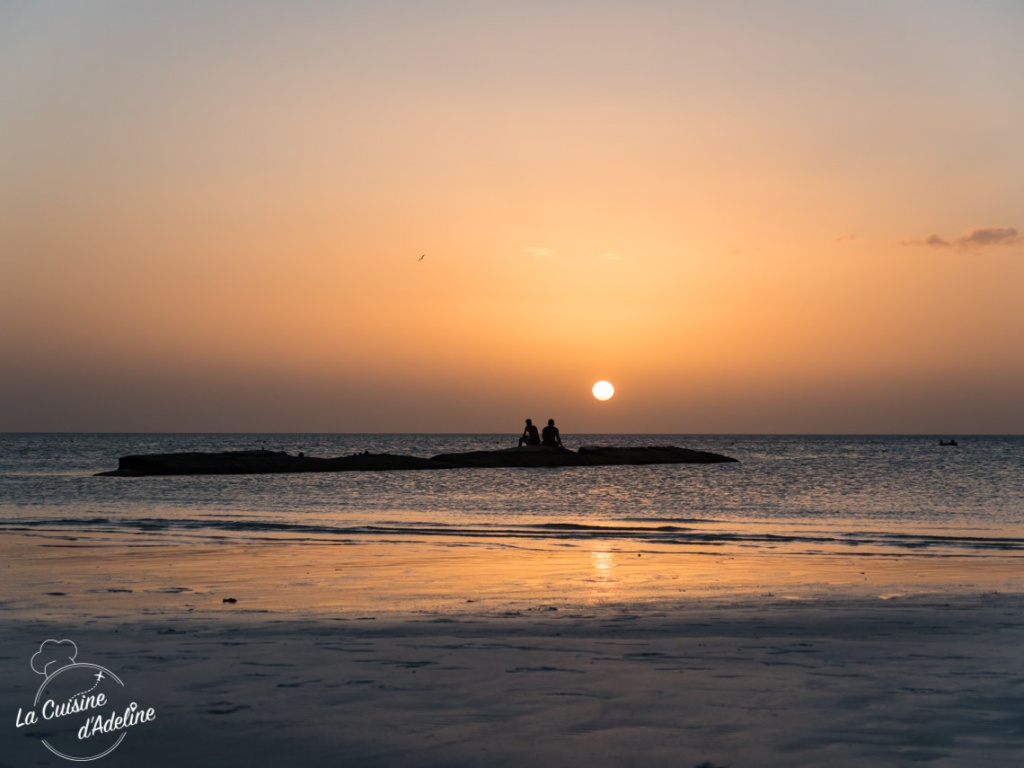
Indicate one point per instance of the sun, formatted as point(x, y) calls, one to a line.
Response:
point(603, 390)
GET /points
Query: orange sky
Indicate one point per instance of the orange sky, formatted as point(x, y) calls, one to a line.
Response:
point(750, 217)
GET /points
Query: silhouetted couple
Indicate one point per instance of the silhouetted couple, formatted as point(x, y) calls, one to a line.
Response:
point(548, 437)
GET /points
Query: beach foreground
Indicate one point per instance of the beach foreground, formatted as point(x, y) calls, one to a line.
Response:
point(846, 683)
point(546, 676)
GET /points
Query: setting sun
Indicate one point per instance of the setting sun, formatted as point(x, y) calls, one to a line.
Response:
point(313, 223)
point(603, 390)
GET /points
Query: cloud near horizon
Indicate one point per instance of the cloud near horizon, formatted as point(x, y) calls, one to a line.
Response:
point(979, 238)
point(539, 252)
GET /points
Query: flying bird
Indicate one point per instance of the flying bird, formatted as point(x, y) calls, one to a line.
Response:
point(421, 257)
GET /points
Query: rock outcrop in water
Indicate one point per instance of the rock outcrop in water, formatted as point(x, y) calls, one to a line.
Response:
point(264, 462)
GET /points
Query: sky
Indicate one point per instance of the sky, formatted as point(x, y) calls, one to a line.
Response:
point(750, 217)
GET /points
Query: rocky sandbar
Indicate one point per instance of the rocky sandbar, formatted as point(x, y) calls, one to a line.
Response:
point(264, 461)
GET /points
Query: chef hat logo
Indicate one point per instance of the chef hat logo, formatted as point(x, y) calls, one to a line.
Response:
point(53, 655)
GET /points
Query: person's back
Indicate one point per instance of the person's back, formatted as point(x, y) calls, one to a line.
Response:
point(550, 436)
point(530, 436)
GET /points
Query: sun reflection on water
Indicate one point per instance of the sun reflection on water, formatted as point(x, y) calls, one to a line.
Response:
point(603, 562)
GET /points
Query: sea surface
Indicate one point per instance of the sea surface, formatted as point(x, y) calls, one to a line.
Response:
point(814, 494)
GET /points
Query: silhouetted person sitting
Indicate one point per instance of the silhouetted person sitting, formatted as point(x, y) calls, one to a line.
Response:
point(550, 436)
point(530, 436)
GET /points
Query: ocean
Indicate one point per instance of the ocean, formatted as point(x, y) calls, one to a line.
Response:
point(811, 495)
point(850, 600)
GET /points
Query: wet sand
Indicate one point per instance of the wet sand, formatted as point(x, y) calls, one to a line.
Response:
point(370, 654)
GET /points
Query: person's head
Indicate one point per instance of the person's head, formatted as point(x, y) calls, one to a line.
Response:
point(551, 422)
point(529, 422)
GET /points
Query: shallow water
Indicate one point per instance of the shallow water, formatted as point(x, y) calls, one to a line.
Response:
point(808, 493)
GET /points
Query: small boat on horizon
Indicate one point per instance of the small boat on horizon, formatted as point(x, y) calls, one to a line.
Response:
point(947, 442)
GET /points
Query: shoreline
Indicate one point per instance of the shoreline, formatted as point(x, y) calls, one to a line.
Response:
point(77, 576)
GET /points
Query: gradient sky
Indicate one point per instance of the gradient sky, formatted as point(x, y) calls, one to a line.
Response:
point(749, 216)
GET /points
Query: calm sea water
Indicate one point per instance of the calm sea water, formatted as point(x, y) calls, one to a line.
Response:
point(894, 493)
